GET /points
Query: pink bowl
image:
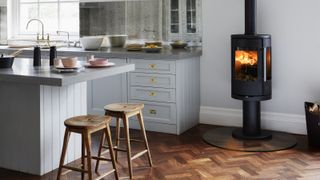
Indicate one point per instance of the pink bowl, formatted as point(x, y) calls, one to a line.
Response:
point(98, 61)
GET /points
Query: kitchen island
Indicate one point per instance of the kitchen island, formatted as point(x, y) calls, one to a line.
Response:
point(34, 104)
point(168, 83)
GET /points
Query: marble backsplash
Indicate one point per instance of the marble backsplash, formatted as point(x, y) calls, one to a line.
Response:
point(139, 19)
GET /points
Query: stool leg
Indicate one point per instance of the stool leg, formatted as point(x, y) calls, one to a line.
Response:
point(64, 150)
point(143, 131)
point(100, 149)
point(82, 155)
point(117, 137)
point(87, 138)
point(127, 137)
point(108, 136)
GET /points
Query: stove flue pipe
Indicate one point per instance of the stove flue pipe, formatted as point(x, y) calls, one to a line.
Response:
point(250, 17)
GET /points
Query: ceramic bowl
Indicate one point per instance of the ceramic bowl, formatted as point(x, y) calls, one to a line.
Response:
point(69, 62)
point(91, 42)
point(117, 40)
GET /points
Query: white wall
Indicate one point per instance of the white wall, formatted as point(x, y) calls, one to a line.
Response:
point(295, 29)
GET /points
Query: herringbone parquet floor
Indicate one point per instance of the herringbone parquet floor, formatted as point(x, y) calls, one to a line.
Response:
point(187, 157)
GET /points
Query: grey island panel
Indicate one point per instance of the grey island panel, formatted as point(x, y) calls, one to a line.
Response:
point(23, 71)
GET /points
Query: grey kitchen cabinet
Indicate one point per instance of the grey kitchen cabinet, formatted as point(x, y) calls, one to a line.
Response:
point(169, 89)
point(108, 90)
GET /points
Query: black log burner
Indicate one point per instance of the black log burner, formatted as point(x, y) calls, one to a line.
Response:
point(251, 74)
point(251, 83)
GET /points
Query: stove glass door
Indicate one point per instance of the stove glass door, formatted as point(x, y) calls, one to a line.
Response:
point(246, 65)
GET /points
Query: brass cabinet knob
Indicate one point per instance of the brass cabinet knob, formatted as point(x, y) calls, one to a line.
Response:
point(153, 111)
point(152, 66)
point(152, 94)
point(153, 80)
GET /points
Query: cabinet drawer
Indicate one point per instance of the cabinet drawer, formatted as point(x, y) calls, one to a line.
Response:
point(152, 80)
point(152, 94)
point(158, 112)
point(154, 66)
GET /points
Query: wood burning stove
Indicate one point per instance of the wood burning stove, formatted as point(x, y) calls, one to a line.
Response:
point(251, 83)
point(251, 74)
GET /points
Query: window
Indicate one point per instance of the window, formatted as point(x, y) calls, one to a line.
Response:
point(56, 15)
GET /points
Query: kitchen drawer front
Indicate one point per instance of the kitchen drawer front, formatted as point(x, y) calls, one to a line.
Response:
point(152, 80)
point(159, 112)
point(152, 94)
point(154, 66)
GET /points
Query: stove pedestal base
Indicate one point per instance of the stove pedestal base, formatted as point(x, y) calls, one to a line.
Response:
point(239, 134)
point(222, 138)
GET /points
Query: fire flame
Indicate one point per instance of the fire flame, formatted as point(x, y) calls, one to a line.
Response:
point(247, 57)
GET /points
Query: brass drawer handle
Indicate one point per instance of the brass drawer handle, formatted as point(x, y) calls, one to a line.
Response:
point(153, 80)
point(152, 94)
point(152, 66)
point(153, 111)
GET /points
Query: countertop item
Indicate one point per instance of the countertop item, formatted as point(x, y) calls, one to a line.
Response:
point(91, 42)
point(167, 53)
point(117, 40)
point(6, 61)
point(23, 71)
point(152, 49)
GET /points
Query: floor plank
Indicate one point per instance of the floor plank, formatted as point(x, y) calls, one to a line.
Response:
point(188, 157)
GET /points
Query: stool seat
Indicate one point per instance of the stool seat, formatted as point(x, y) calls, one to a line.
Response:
point(87, 121)
point(124, 107)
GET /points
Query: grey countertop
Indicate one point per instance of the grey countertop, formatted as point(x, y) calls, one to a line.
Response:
point(166, 53)
point(23, 71)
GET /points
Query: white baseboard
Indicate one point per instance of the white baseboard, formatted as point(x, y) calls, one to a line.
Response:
point(291, 123)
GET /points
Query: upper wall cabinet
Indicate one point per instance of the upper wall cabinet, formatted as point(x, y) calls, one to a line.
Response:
point(184, 20)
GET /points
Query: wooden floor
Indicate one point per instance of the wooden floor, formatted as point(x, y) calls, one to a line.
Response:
point(188, 157)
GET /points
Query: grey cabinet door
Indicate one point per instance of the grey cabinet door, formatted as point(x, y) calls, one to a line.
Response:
point(107, 90)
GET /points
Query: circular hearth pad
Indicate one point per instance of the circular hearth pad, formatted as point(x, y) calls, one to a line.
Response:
point(222, 137)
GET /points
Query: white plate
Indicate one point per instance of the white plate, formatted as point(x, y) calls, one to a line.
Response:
point(62, 67)
point(88, 65)
point(64, 70)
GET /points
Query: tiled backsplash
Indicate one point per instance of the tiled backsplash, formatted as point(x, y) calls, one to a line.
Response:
point(140, 19)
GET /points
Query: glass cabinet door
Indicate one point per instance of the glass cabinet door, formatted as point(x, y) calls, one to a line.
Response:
point(184, 20)
point(191, 11)
point(174, 12)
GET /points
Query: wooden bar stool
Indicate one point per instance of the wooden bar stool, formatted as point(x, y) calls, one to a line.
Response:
point(124, 111)
point(86, 125)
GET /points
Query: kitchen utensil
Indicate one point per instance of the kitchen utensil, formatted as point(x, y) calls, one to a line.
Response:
point(117, 40)
point(91, 42)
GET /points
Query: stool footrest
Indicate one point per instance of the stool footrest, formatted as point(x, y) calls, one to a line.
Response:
point(114, 148)
point(134, 140)
point(101, 158)
point(75, 169)
point(139, 154)
point(105, 174)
